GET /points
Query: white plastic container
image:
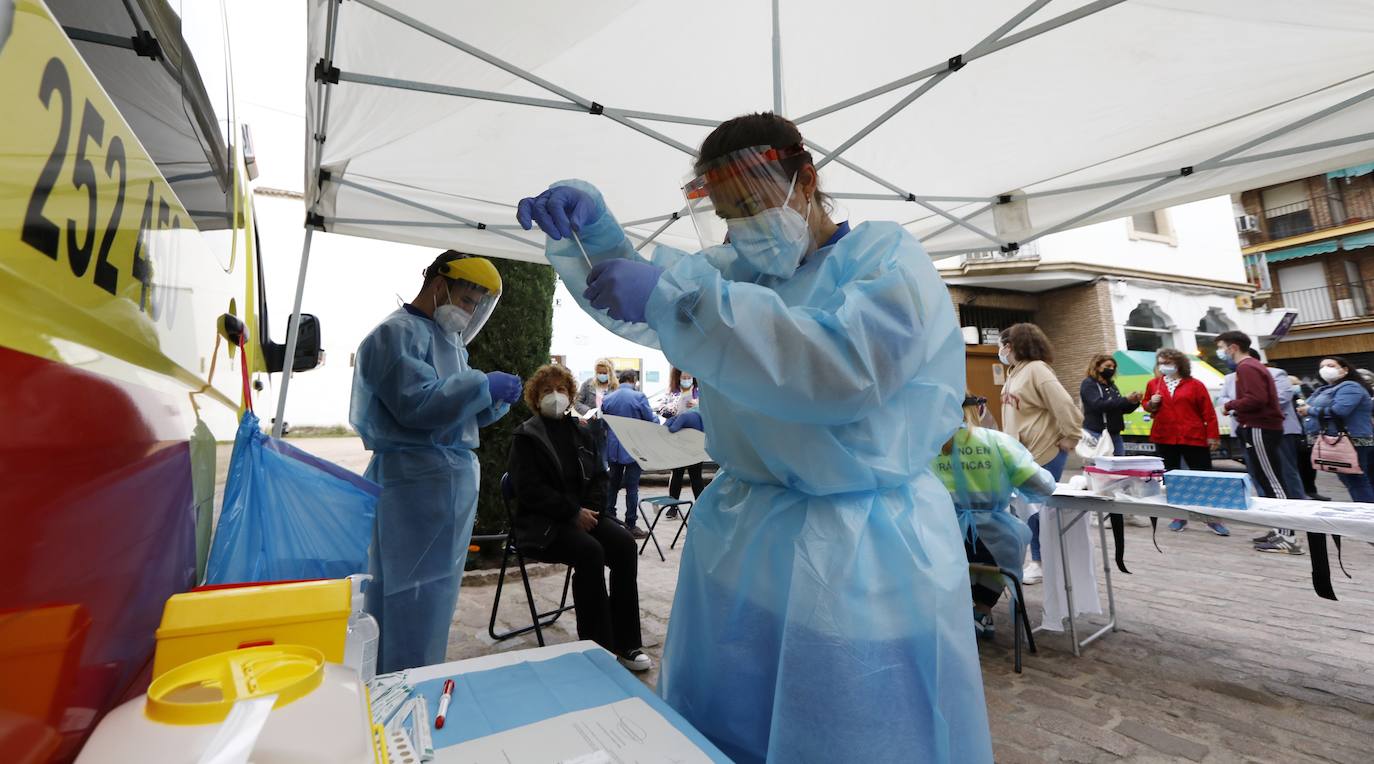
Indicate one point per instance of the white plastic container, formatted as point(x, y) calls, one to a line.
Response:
point(1136, 484)
point(321, 714)
point(360, 645)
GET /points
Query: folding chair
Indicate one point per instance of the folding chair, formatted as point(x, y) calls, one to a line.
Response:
point(662, 503)
point(1020, 622)
point(537, 622)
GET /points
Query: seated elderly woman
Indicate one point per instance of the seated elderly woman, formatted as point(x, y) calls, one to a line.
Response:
point(560, 492)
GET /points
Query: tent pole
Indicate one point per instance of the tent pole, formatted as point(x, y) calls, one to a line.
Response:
point(1209, 164)
point(323, 92)
point(904, 198)
point(948, 226)
point(487, 95)
point(898, 190)
point(954, 65)
point(433, 210)
point(591, 106)
point(293, 332)
point(777, 61)
point(1002, 44)
point(1233, 162)
point(1288, 128)
point(673, 218)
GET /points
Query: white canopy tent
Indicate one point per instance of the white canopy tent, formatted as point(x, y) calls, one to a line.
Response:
point(978, 125)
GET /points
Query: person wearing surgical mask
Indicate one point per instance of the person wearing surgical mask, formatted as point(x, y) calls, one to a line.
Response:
point(417, 405)
point(560, 488)
point(1344, 407)
point(831, 368)
point(1183, 426)
point(683, 395)
point(589, 398)
point(1037, 411)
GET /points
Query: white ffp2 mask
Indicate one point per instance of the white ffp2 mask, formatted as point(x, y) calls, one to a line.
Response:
point(452, 319)
point(553, 405)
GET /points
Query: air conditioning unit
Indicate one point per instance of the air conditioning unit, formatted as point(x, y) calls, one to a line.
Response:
point(1247, 223)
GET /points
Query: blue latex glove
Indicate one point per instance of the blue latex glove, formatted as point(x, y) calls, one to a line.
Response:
point(622, 288)
point(558, 211)
point(689, 420)
point(505, 388)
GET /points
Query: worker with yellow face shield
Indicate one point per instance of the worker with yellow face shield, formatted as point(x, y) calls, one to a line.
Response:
point(417, 406)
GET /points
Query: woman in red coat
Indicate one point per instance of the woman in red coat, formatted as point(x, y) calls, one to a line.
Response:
point(1184, 420)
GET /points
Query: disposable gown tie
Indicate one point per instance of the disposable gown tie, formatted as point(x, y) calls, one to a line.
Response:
point(822, 607)
point(417, 406)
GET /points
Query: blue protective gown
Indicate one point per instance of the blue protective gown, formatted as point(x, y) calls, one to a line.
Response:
point(822, 607)
point(417, 406)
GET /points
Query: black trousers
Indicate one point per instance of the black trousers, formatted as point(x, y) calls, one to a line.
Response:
point(983, 595)
point(675, 482)
point(1305, 470)
point(1174, 456)
point(608, 619)
point(1262, 460)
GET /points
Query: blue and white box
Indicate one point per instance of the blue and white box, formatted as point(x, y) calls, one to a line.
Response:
point(1198, 488)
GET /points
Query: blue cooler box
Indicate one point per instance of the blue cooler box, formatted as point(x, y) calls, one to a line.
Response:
point(1220, 490)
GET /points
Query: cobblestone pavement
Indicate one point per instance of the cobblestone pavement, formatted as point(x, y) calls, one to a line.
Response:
point(1223, 654)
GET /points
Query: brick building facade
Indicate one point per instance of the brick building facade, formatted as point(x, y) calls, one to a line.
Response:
point(1309, 247)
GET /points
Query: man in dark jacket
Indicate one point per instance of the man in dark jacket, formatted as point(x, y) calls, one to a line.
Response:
point(560, 490)
point(1256, 409)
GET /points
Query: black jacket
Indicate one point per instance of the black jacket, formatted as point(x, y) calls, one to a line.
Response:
point(1103, 406)
point(544, 503)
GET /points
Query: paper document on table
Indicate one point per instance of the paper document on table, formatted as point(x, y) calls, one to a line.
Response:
point(628, 731)
point(654, 447)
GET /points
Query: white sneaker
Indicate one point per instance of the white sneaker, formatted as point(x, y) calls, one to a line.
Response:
point(636, 661)
point(1032, 573)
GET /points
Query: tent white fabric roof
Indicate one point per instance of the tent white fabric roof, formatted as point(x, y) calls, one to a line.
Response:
point(1057, 113)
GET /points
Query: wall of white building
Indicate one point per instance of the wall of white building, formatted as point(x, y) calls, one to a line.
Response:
point(1204, 244)
point(1184, 309)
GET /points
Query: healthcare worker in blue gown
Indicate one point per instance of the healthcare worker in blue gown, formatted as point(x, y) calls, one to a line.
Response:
point(417, 405)
point(822, 607)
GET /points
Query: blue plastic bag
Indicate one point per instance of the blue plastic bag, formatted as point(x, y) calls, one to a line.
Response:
point(289, 515)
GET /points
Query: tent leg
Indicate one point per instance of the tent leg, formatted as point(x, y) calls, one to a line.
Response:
point(777, 60)
point(292, 333)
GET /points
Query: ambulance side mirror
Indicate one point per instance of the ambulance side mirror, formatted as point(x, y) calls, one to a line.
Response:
point(309, 354)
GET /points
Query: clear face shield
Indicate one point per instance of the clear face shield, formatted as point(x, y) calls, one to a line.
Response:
point(741, 184)
point(473, 291)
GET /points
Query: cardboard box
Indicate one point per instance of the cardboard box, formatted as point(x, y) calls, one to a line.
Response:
point(1198, 488)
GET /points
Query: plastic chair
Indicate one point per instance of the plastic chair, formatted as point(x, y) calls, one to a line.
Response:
point(537, 622)
point(662, 503)
point(1020, 622)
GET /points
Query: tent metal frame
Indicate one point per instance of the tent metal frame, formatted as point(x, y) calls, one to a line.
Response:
point(929, 77)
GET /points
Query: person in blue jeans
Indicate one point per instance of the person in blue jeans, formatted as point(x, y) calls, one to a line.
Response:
point(1344, 405)
point(625, 401)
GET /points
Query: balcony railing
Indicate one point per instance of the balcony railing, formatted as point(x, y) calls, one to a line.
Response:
point(1336, 302)
point(1318, 212)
